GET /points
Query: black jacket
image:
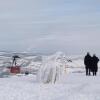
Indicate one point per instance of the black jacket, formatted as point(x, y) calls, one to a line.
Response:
point(88, 60)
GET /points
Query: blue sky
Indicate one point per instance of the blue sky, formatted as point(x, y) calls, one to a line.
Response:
point(47, 26)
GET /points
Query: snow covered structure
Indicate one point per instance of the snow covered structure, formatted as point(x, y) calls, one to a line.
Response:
point(53, 68)
point(15, 68)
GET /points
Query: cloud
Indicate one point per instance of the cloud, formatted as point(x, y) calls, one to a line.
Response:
point(49, 25)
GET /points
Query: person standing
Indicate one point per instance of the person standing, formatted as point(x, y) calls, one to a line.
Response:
point(87, 62)
point(95, 61)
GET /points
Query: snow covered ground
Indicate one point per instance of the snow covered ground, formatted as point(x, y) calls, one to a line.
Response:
point(74, 86)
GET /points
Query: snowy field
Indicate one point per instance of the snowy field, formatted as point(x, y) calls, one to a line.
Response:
point(74, 86)
point(71, 82)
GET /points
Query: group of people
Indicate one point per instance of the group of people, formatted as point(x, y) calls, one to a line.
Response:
point(91, 64)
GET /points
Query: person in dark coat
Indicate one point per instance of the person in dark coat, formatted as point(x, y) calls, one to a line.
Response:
point(95, 61)
point(88, 63)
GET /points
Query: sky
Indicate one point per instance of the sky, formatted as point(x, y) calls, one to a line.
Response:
point(47, 26)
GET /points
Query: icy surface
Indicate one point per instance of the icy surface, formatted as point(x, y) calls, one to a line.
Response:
point(73, 85)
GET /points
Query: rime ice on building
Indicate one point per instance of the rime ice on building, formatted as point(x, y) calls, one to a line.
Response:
point(53, 68)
